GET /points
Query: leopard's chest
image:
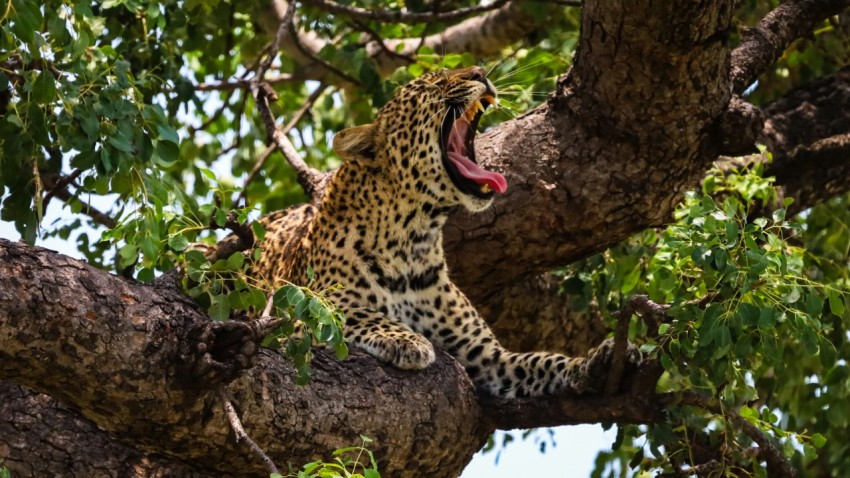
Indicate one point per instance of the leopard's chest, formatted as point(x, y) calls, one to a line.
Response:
point(403, 282)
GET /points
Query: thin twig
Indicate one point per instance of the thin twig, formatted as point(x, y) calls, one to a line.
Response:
point(330, 67)
point(62, 193)
point(286, 24)
point(61, 183)
point(296, 118)
point(266, 323)
point(308, 177)
point(246, 84)
point(777, 465)
point(266, 63)
point(704, 469)
point(652, 313)
point(241, 240)
point(239, 431)
point(362, 26)
point(568, 3)
point(387, 16)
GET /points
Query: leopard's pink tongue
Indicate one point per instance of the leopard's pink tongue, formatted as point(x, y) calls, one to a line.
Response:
point(472, 171)
point(465, 166)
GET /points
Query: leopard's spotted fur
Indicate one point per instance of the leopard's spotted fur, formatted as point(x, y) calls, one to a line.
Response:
point(378, 232)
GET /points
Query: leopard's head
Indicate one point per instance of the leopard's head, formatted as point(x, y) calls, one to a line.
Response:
point(423, 140)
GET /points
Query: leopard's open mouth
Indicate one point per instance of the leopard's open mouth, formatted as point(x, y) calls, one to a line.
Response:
point(458, 140)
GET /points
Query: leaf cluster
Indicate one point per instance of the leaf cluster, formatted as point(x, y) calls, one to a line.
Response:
point(345, 465)
point(752, 323)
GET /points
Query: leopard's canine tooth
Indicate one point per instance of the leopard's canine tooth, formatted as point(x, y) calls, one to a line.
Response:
point(490, 99)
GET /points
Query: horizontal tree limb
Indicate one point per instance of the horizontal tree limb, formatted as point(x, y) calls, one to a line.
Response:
point(388, 16)
point(763, 44)
point(143, 363)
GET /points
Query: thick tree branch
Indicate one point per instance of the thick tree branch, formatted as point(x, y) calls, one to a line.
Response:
point(636, 405)
point(814, 173)
point(808, 132)
point(604, 158)
point(401, 16)
point(762, 45)
point(481, 36)
point(41, 437)
point(160, 382)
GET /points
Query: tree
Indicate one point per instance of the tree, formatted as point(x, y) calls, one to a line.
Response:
point(682, 181)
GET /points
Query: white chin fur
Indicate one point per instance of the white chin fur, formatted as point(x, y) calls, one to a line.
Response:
point(474, 204)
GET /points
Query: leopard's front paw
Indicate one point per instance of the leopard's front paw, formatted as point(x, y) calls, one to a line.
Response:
point(411, 352)
point(593, 370)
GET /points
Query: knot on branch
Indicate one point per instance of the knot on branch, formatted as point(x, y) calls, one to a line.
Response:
point(217, 352)
point(739, 128)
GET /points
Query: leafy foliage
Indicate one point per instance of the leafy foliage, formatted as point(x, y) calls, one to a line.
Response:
point(750, 326)
point(345, 465)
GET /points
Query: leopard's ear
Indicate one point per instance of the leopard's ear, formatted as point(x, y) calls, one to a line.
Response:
point(357, 143)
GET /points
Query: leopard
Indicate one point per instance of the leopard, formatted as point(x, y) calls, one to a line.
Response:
point(378, 232)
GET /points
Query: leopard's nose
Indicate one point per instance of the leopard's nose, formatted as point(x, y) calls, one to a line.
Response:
point(477, 73)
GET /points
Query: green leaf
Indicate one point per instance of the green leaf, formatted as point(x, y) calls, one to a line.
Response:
point(288, 296)
point(220, 309)
point(637, 459)
point(167, 133)
point(146, 274)
point(235, 261)
point(259, 231)
point(166, 153)
point(195, 257)
point(178, 242)
point(27, 19)
point(121, 143)
point(818, 440)
point(341, 350)
point(220, 217)
point(128, 253)
point(44, 88)
point(836, 304)
point(827, 353)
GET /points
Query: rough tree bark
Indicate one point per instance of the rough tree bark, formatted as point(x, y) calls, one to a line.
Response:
point(143, 364)
point(633, 125)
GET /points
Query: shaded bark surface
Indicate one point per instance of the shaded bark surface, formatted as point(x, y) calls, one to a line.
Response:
point(121, 360)
point(39, 436)
point(625, 135)
point(423, 423)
